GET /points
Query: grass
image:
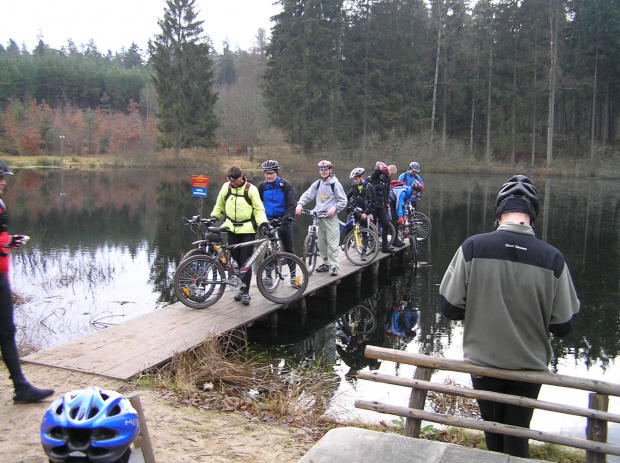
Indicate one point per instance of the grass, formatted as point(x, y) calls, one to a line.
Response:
point(454, 156)
point(223, 373)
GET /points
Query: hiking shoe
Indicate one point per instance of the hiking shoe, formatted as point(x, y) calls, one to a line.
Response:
point(388, 250)
point(294, 282)
point(238, 296)
point(27, 394)
point(268, 281)
point(334, 271)
point(245, 300)
point(398, 243)
point(323, 268)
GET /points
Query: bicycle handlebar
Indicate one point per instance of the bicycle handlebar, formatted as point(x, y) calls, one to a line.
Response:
point(196, 219)
point(313, 213)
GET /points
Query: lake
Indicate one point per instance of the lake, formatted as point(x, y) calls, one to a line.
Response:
point(104, 246)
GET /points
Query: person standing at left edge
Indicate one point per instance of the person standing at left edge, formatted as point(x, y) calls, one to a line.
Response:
point(241, 203)
point(24, 393)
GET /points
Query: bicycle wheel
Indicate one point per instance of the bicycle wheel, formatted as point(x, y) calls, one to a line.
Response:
point(413, 250)
point(374, 228)
point(360, 320)
point(422, 226)
point(310, 252)
point(199, 281)
point(193, 252)
point(291, 273)
point(364, 251)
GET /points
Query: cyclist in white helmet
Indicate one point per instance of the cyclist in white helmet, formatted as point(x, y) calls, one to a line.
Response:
point(330, 199)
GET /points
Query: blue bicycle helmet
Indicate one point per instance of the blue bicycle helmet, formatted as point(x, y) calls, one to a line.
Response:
point(414, 166)
point(97, 424)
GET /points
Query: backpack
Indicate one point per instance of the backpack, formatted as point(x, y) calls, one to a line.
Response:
point(318, 183)
point(246, 195)
point(261, 187)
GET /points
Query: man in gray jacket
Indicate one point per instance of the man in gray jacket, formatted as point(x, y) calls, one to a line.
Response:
point(512, 290)
point(330, 199)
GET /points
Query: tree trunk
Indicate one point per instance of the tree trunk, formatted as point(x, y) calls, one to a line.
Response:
point(437, 58)
point(490, 85)
point(593, 126)
point(472, 123)
point(444, 105)
point(535, 99)
point(553, 36)
point(513, 128)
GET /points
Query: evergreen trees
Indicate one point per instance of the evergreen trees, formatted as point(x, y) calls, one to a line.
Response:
point(512, 74)
point(183, 79)
point(511, 77)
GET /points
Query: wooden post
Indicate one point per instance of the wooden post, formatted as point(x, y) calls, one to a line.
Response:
point(303, 311)
point(357, 278)
point(333, 291)
point(596, 430)
point(416, 400)
point(143, 441)
point(375, 268)
point(273, 323)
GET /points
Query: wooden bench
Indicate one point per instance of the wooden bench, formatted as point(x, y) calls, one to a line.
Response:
point(357, 445)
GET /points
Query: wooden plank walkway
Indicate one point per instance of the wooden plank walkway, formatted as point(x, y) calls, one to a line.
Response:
point(124, 350)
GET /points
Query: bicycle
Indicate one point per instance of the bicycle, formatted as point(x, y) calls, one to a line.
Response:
point(310, 250)
point(361, 244)
point(417, 227)
point(199, 226)
point(201, 279)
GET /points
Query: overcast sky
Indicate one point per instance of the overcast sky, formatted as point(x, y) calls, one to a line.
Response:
point(113, 24)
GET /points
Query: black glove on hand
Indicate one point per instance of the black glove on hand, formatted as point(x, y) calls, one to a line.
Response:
point(16, 241)
point(265, 229)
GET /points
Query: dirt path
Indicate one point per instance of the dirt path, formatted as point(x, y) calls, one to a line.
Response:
point(179, 433)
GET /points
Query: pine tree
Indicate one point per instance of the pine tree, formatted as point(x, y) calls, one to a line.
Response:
point(183, 79)
point(303, 75)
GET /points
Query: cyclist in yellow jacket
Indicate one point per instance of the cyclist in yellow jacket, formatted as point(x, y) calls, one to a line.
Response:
point(240, 201)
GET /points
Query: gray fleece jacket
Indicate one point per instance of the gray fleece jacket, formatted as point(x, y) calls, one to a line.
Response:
point(327, 195)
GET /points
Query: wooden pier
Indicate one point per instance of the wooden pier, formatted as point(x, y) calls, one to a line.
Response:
point(124, 350)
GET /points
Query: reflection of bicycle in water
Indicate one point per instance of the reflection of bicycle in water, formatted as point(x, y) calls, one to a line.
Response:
point(355, 330)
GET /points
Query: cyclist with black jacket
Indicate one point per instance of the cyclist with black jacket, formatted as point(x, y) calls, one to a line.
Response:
point(361, 193)
point(380, 180)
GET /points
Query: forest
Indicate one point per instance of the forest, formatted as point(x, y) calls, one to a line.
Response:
point(506, 79)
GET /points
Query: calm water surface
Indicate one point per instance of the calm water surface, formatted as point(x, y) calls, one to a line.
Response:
point(104, 246)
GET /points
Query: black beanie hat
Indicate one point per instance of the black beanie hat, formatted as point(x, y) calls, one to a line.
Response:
point(517, 203)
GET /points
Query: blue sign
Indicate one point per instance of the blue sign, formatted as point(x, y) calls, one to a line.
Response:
point(199, 191)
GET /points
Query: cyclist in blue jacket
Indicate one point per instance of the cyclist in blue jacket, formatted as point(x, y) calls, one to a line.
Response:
point(410, 176)
point(278, 196)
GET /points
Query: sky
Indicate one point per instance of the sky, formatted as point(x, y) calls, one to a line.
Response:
point(114, 24)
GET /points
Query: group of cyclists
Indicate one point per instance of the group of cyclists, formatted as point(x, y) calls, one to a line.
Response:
point(249, 208)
